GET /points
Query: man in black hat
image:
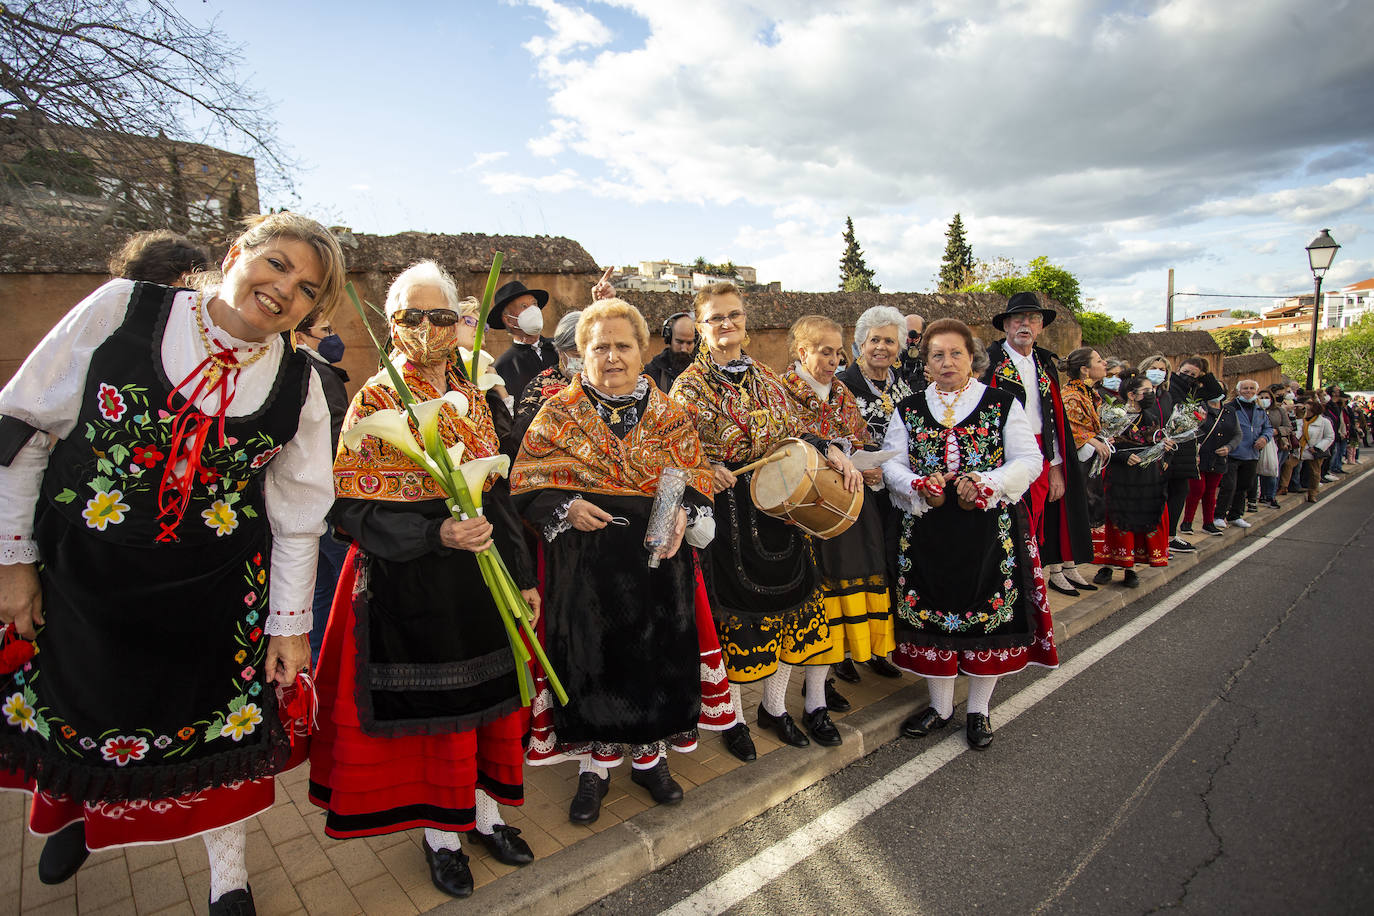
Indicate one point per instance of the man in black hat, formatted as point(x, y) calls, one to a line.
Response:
point(520, 311)
point(1031, 373)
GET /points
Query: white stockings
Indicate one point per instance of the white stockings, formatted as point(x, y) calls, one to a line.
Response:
point(227, 849)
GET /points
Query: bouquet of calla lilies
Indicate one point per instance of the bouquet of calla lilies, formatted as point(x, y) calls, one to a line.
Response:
point(463, 481)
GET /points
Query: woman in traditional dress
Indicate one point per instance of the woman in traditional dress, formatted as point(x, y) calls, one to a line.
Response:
point(1085, 368)
point(852, 568)
point(189, 464)
point(1136, 529)
point(970, 594)
point(420, 716)
point(619, 629)
point(878, 387)
point(760, 572)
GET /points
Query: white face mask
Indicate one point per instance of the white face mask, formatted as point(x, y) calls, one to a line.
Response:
point(531, 320)
point(1265, 402)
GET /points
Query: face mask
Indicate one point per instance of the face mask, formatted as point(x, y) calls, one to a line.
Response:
point(1156, 376)
point(426, 345)
point(1265, 402)
point(1112, 383)
point(1288, 398)
point(1148, 400)
point(331, 348)
point(1246, 398)
point(531, 320)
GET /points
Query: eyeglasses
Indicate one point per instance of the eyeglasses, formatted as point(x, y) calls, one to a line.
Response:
point(734, 318)
point(439, 318)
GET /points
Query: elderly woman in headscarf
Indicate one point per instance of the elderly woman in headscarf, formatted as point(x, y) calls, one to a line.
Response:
point(620, 628)
point(165, 456)
point(420, 716)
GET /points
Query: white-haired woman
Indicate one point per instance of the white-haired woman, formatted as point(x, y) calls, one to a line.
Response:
point(878, 387)
point(164, 453)
point(420, 717)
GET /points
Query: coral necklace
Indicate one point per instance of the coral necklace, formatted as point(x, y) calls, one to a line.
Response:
point(221, 359)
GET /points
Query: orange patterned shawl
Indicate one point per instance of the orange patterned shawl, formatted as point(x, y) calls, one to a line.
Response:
point(837, 418)
point(568, 447)
point(737, 422)
point(378, 470)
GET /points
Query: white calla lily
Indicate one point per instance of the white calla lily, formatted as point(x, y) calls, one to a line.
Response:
point(391, 426)
point(486, 379)
point(427, 416)
point(455, 454)
point(476, 472)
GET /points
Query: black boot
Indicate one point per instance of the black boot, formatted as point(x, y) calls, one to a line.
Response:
point(63, 854)
point(586, 803)
point(660, 783)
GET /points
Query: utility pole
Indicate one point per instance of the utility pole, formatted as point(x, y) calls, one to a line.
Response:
point(1169, 305)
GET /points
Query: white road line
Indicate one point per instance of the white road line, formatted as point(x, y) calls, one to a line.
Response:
point(770, 864)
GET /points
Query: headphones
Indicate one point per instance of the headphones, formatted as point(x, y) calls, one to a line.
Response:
point(667, 331)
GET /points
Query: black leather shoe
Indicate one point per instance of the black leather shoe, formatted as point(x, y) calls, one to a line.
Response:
point(1132, 580)
point(1104, 575)
point(63, 854)
point(787, 729)
point(822, 730)
point(739, 742)
point(1071, 592)
point(883, 667)
point(505, 844)
point(979, 731)
point(586, 803)
point(660, 783)
point(834, 699)
point(846, 671)
point(1081, 586)
point(448, 869)
point(920, 724)
point(235, 902)
point(238, 902)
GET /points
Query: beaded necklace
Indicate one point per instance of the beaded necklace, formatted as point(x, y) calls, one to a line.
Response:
point(947, 421)
point(218, 364)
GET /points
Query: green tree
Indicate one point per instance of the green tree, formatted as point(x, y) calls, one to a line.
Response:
point(1232, 341)
point(1005, 278)
point(1099, 327)
point(1348, 360)
point(1055, 282)
point(1244, 313)
point(956, 270)
point(855, 276)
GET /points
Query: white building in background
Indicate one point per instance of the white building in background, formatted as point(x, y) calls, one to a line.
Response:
point(1343, 307)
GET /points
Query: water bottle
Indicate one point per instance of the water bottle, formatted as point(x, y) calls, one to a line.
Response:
point(672, 483)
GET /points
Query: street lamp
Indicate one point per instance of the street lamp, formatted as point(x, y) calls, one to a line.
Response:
point(1256, 339)
point(1320, 253)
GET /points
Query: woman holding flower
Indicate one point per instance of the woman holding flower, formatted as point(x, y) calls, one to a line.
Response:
point(177, 518)
point(420, 714)
point(1136, 527)
point(970, 593)
point(620, 631)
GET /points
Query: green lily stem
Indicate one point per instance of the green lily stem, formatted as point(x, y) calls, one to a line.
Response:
point(497, 260)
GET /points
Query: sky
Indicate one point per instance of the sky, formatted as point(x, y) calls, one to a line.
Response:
point(1119, 139)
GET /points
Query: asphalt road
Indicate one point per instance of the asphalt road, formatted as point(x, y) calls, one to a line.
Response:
point(1219, 761)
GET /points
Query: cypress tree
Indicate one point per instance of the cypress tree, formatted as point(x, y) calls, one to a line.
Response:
point(855, 276)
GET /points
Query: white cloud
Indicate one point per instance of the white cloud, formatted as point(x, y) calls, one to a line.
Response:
point(482, 159)
point(360, 187)
point(1300, 205)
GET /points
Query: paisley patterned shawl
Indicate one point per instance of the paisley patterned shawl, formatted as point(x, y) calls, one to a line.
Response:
point(569, 447)
point(737, 423)
point(379, 470)
point(1081, 405)
point(837, 418)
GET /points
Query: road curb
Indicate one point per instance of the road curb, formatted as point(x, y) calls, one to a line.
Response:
point(583, 873)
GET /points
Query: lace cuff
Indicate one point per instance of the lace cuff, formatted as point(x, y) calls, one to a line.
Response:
point(289, 623)
point(559, 523)
point(15, 548)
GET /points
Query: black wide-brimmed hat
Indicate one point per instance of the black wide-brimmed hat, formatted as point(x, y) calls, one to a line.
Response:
point(508, 294)
point(1019, 304)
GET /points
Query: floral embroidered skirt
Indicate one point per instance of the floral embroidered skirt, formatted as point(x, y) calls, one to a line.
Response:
point(1114, 547)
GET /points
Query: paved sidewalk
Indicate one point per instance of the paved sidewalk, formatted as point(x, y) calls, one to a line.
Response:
point(296, 869)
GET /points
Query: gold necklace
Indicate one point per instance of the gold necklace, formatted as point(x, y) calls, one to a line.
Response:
point(947, 421)
point(218, 366)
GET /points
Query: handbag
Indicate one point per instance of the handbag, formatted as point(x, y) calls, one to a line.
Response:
point(1268, 460)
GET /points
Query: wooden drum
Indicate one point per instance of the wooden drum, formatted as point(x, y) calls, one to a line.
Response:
point(796, 484)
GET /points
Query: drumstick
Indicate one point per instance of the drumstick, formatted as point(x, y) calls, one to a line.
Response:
point(754, 465)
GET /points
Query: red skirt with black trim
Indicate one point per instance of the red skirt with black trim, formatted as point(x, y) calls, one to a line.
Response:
point(372, 785)
point(1114, 547)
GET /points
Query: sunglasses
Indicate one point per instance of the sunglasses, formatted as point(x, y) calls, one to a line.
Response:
point(439, 318)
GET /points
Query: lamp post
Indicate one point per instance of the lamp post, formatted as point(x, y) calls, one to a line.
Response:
point(1256, 339)
point(1320, 253)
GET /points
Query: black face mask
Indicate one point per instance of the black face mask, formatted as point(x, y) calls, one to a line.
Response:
point(1148, 400)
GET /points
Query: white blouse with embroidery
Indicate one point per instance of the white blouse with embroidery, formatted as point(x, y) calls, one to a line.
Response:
point(298, 486)
point(1022, 461)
